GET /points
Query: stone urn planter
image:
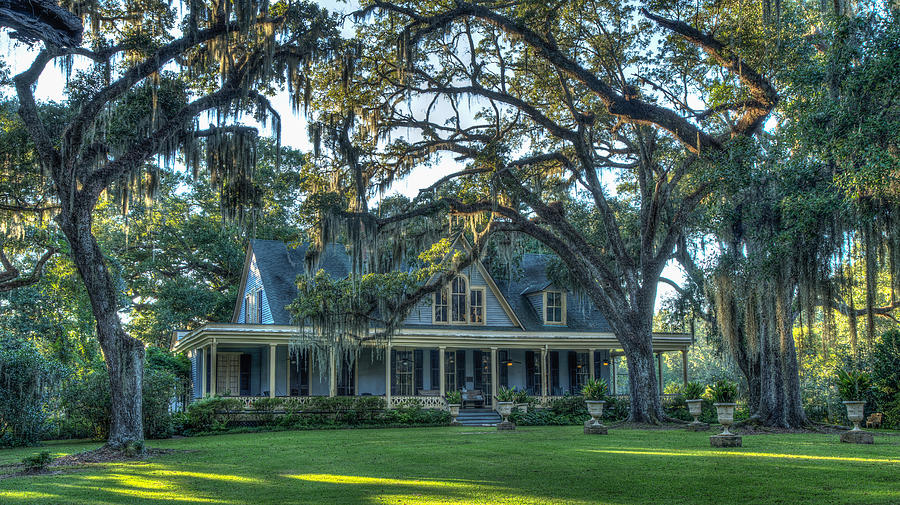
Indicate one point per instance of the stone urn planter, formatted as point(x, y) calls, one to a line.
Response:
point(522, 407)
point(454, 413)
point(595, 409)
point(725, 412)
point(695, 408)
point(505, 409)
point(855, 415)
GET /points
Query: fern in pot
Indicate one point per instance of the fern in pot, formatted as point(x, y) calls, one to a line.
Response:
point(594, 392)
point(852, 388)
point(693, 393)
point(723, 394)
point(454, 400)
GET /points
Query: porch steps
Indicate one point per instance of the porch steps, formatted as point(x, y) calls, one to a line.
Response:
point(478, 417)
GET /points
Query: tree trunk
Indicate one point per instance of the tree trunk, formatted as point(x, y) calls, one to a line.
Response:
point(642, 380)
point(124, 355)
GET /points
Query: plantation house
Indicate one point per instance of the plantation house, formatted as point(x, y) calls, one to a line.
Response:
point(474, 335)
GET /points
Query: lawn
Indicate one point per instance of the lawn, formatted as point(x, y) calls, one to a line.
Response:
point(545, 465)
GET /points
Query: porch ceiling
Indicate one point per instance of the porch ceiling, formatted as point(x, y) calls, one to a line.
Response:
point(259, 334)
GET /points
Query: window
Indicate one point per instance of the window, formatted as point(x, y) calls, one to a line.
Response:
point(253, 307)
point(554, 307)
point(404, 373)
point(579, 371)
point(440, 306)
point(458, 293)
point(476, 306)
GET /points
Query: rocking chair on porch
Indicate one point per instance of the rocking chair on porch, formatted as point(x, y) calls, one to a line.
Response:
point(473, 396)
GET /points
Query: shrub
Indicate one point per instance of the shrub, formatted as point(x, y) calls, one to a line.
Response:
point(522, 397)
point(595, 389)
point(569, 406)
point(265, 409)
point(210, 414)
point(886, 376)
point(26, 379)
point(158, 391)
point(853, 385)
point(37, 462)
point(722, 391)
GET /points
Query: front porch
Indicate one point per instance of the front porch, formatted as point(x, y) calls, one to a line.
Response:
point(253, 361)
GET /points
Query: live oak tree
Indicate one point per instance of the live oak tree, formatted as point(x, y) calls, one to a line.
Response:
point(155, 70)
point(547, 106)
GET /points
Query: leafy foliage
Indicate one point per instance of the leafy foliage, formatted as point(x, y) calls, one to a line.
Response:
point(853, 385)
point(26, 381)
point(595, 389)
point(721, 391)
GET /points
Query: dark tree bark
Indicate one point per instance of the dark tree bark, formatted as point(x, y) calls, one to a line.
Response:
point(33, 20)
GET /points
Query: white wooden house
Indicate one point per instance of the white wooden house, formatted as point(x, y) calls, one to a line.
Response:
point(476, 334)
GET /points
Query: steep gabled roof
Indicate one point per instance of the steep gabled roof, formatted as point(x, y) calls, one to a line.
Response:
point(581, 314)
point(280, 265)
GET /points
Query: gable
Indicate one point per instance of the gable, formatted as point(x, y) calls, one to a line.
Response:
point(253, 282)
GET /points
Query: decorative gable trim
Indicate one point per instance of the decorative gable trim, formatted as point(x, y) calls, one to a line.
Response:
point(240, 294)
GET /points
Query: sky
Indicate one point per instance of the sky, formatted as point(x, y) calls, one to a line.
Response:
point(294, 127)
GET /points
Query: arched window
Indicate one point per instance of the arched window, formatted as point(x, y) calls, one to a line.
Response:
point(459, 294)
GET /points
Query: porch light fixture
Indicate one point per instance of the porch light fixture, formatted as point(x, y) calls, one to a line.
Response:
point(605, 363)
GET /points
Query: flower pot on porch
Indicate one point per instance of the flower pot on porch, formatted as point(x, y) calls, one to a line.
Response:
point(725, 412)
point(855, 413)
point(505, 409)
point(454, 413)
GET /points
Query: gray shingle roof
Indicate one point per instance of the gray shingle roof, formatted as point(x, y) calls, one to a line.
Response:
point(280, 265)
point(581, 315)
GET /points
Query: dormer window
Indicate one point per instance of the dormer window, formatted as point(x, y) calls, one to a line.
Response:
point(441, 306)
point(253, 307)
point(458, 295)
point(554, 307)
point(458, 304)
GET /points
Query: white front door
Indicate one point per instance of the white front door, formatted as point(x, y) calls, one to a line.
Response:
point(228, 373)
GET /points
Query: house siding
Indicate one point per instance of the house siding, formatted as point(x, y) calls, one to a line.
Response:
point(254, 282)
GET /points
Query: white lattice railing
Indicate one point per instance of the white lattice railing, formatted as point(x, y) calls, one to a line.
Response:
point(428, 402)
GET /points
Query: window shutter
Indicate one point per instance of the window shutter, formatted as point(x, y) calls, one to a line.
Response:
point(245, 375)
point(529, 371)
point(460, 369)
point(573, 367)
point(417, 363)
point(393, 375)
point(435, 369)
point(476, 359)
point(503, 357)
point(554, 372)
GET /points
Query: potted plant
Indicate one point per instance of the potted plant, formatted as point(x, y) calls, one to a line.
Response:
point(506, 398)
point(693, 391)
point(522, 400)
point(594, 392)
point(454, 400)
point(852, 387)
point(723, 393)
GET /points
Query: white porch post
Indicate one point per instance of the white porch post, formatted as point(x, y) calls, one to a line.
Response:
point(272, 370)
point(684, 366)
point(387, 376)
point(659, 371)
point(442, 386)
point(544, 381)
point(203, 391)
point(332, 374)
point(592, 365)
point(494, 377)
point(287, 372)
point(612, 373)
point(212, 369)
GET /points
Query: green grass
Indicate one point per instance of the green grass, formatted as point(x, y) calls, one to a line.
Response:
point(542, 465)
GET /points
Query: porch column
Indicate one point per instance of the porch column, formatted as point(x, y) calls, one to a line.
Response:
point(212, 369)
point(332, 374)
point(442, 386)
point(592, 366)
point(356, 374)
point(612, 373)
point(494, 377)
point(287, 373)
point(659, 371)
point(387, 376)
point(684, 366)
point(202, 360)
point(272, 370)
point(544, 381)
